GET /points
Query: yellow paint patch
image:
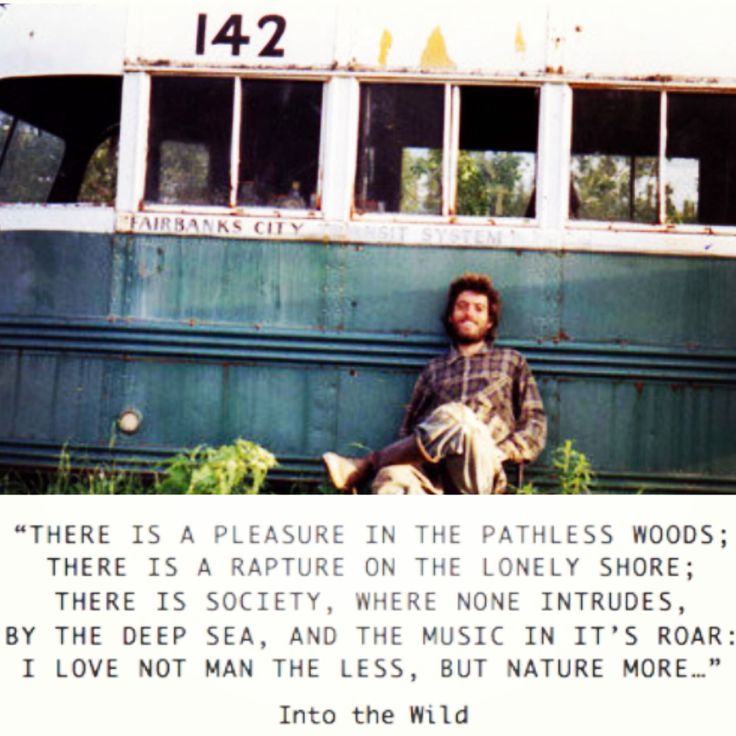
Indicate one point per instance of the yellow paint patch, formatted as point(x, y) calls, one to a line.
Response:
point(386, 42)
point(435, 52)
point(519, 42)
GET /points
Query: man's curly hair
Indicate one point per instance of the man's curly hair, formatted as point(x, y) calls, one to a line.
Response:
point(478, 283)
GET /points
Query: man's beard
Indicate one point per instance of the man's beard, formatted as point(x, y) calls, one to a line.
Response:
point(460, 339)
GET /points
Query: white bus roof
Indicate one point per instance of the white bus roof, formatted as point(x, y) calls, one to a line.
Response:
point(62, 38)
point(632, 40)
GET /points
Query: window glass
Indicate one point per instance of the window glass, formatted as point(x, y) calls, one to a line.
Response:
point(615, 146)
point(400, 149)
point(279, 157)
point(498, 144)
point(190, 141)
point(5, 122)
point(99, 183)
point(30, 159)
point(701, 158)
point(187, 174)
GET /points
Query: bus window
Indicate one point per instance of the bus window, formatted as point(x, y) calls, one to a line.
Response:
point(701, 158)
point(99, 183)
point(29, 161)
point(400, 149)
point(615, 147)
point(279, 154)
point(49, 131)
point(189, 141)
point(498, 145)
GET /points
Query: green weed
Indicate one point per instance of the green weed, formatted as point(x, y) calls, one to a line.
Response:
point(238, 468)
point(572, 469)
point(571, 473)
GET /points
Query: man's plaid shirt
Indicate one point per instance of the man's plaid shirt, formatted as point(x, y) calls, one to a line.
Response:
point(497, 384)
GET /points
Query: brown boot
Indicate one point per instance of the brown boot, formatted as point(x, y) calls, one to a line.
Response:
point(347, 473)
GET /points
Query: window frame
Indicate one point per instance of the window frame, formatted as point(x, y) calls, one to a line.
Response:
point(626, 226)
point(138, 157)
point(336, 221)
point(450, 156)
point(78, 216)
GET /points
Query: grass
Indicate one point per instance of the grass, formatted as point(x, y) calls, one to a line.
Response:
point(238, 468)
point(241, 468)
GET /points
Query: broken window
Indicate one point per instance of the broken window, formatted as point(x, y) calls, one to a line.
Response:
point(195, 128)
point(29, 161)
point(622, 170)
point(400, 149)
point(498, 144)
point(51, 130)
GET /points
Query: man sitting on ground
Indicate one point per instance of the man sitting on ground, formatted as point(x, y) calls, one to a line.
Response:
point(471, 409)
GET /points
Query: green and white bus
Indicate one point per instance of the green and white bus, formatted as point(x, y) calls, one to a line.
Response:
point(223, 220)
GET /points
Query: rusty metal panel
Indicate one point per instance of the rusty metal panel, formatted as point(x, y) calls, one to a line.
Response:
point(224, 281)
point(55, 274)
point(652, 427)
point(309, 347)
point(683, 302)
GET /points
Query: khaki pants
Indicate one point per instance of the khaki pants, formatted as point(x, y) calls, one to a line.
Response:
point(461, 455)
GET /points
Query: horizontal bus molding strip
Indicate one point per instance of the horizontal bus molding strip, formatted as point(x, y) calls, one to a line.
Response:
point(227, 343)
point(43, 456)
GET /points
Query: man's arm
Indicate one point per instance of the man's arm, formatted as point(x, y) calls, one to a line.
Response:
point(527, 440)
point(417, 407)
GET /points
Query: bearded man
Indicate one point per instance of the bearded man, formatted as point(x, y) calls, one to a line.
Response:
point(471, 410)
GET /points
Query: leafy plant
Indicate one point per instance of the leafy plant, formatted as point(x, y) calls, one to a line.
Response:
point(571, 474)
point(238, 468)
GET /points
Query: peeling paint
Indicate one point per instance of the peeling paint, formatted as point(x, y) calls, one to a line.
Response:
point(519, 42)
point(385, 46)
point(561, 336)
point(435, 54)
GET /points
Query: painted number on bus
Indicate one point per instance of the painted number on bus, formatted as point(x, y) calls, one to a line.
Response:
point(231, 34)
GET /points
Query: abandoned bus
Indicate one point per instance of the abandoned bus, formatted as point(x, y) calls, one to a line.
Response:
point(220, 220)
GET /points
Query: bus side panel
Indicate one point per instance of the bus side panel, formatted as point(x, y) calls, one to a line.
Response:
point(55, 275)
point(650, 300)
point(309, 346)
point(652, 426)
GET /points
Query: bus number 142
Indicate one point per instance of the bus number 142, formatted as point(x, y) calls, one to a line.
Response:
point(231, 34)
